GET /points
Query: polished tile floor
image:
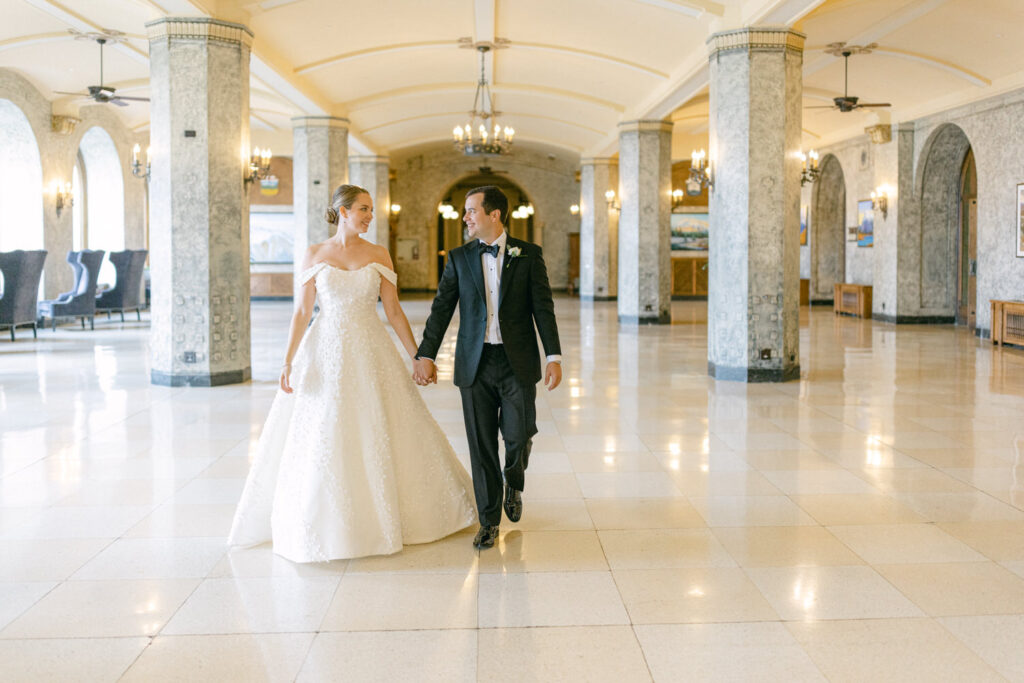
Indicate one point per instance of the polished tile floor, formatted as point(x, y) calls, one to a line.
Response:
point(864, 523)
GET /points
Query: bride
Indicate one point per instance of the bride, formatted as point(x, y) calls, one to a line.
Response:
point(350, 462)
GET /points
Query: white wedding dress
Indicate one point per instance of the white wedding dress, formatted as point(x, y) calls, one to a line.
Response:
point(352, 463)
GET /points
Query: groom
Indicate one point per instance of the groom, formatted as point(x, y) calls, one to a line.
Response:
point(501, 287)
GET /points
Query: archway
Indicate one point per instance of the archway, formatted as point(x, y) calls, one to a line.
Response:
point(828, 231)
point(21, 182)
point(967, 245)
point(452, 233)
point(103, 197)
point(942, 179)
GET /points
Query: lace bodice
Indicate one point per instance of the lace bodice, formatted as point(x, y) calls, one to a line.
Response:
point(343, 292)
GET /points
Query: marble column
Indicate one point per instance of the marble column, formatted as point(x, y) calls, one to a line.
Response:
point(754, 152)
point(319, 165)
point(372, 174)
point(598, 229)
point(645, 196)
point(199, 229)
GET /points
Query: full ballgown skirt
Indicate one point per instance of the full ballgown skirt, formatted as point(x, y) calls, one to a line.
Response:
point(352, 463)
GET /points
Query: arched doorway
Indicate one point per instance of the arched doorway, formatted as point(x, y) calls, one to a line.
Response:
point(103, 197)
point(948, 185)
point(451, 232)
point(21, 182)
point(828, 231)
point(967, 243)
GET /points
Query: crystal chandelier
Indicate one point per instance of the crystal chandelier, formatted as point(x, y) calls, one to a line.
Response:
point(482, 134)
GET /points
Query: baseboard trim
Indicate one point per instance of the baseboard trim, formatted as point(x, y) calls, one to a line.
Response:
point(663, 319)
point(215, 379)
point(753, 375)
point(914, 319)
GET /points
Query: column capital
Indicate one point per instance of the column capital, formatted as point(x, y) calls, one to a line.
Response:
point(319, 122)
point(198, 28)
point(757, 38)
point(646, 126)
point(599, 161)
point(369, 159)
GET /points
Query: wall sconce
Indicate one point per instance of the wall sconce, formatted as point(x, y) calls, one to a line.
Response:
point(810, 170)
point(700, 173)
point(574, 209)
point(880, 200)
point(259, 165)
point(137, 165)
point(447, 212)
point(609, 197)
point(677, 197)
point(395, 210)
point(63, 196)
point(523, 211)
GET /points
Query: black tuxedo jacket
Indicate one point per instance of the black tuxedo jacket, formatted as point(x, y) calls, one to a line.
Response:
point(524, 299)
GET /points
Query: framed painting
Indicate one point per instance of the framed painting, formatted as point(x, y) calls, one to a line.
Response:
point(865, 224)
point(803, 225)
point(690, 231)
point(1020, 220)
point(851, 233)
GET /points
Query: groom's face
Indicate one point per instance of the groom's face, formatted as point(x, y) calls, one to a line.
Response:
point(480, 224)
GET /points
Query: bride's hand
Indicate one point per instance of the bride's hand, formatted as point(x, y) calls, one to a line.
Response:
point(284, 381)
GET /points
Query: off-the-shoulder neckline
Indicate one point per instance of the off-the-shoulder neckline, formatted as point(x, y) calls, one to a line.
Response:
point(349, 270)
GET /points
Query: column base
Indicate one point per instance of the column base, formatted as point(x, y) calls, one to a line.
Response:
point(754, 375)
point(661, 319)
point(204, 380)
point(592, 297)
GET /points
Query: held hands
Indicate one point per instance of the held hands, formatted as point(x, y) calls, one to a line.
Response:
point(553, 375)
point(424, 371)
point(285, 379)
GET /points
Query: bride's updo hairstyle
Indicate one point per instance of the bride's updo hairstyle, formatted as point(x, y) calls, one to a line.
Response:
point(345, 196)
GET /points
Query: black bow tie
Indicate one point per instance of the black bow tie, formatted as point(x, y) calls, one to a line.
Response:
point(491, 249)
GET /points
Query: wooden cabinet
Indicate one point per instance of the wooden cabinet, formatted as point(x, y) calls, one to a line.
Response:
point(805, 292)
point(852, 299)
point(690, 276)
point(1007, 322)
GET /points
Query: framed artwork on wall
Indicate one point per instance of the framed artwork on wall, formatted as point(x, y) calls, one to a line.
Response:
point(865, 223)
point(690, 231)
point(803, 225)
point(851, 233)
point(1020, 220)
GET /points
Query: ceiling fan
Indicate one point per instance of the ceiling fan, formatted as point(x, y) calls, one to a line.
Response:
point(103, 94)
point(847, 102)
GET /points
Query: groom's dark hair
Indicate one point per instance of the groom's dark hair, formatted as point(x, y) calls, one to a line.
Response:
point(493, 199)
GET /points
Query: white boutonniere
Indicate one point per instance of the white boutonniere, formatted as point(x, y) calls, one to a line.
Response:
point(512, 253)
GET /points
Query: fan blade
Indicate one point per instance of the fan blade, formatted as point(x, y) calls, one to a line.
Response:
point(117, 101)
point(134, 99)
point(822, 106)
point(873, 104)
point(80, 94)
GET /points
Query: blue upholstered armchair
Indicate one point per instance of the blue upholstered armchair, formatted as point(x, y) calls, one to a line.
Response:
point(129, 265)
point(22, 271)
point(80, 302)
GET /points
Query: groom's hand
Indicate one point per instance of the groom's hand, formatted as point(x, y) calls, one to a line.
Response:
point(553, 375)
point(424, 371)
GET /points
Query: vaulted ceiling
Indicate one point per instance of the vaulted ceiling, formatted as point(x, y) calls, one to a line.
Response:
point(564, 74)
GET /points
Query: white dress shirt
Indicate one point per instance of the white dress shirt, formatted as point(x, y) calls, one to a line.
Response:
point(493, 267)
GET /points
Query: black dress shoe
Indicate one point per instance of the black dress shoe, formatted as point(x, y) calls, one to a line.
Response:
point(486, 537)
point(513, 504)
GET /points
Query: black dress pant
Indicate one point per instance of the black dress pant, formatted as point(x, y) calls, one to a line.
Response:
point(497, 400)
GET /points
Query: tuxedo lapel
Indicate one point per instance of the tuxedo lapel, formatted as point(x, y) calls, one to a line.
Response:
point(472, 252)
point(508, 269)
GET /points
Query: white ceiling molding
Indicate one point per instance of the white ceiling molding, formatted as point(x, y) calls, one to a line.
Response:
point(893, 22)
point(35, 39)
point(413, 90)
point(777, 12)
point(934, 62)
point(78, 22)
point(374, 51)
point(511, 114)
point(279, 84)
point(691, 8)
point(560, 144)
point(599, 56)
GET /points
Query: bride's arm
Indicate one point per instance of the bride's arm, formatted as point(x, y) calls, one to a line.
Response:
point(394, 312)
point(305, 299)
